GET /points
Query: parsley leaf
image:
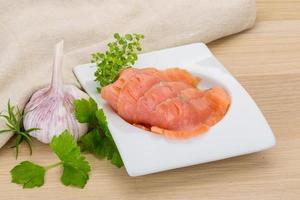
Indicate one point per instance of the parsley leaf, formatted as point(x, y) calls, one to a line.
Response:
point(103, 123)
point(63, 145)
point(28, 174)
point(98, 140)
point(101, 146)
point(121, 54)
point(75, 167)
point(85, 110)
point(92, 142)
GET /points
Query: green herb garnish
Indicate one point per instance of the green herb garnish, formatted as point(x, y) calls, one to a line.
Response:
point(28, 174)
point(98, 140)
point(75, 167)
point(120, 55)
point(14, 124)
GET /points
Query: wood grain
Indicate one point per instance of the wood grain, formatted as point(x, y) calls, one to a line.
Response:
point(266, 60)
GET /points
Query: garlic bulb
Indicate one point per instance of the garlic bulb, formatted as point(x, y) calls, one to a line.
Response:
point(51, 109)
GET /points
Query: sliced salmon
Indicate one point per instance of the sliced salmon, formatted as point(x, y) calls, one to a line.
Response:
point(131, 92)
point(111, 92)
point(146, 105)
point(166, 102)
point(174, 74)
point(180, 134)
point(177, 74)
point(210, 106)
point(219, 102)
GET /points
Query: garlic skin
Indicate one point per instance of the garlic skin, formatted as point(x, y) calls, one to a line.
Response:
point(51, 109)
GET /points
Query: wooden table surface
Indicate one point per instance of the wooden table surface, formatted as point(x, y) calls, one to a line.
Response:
point(266, 60)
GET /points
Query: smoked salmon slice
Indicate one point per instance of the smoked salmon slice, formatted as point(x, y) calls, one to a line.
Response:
point(166, 102)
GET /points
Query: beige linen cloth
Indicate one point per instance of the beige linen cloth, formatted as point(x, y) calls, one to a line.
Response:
point(29, 30)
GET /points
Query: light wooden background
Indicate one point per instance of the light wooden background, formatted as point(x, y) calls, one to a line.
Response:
point(266, 60)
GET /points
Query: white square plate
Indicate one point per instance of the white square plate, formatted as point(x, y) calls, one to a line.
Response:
point(243, 130)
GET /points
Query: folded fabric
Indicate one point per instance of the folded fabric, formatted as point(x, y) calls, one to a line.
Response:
point(29, 29)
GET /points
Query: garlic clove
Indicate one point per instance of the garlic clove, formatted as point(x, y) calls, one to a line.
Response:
point(51, 109)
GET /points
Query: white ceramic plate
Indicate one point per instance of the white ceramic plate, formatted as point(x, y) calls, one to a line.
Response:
point(243, 130)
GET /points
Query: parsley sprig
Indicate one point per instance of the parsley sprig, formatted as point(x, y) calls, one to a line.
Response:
point(75, 167)
point(14, 123)
point(98, 140)
point(120, 55)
